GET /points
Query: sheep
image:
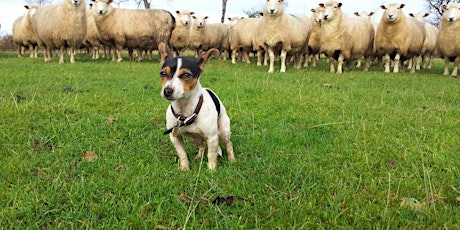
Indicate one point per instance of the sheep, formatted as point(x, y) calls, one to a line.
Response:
point(92, 35)
point(343, 38)
point(429, 46)
point(314, 41)
point(399, 36)
point(61, 26)
point(245, 36)
point(180, 37)
point(24, 34)
point(368, 16)
point(448, 42)
point(115, 26)
point(205, 36)
point(283, 32)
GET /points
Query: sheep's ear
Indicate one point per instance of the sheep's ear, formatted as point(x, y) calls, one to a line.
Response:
point(313, 10)
point(109, 1)
point(321, 5)
point(444, 7)
point(402, 6)
point(194, 17)
point(357, 14)
point(383, 7)
point(26, 6)
point(192, 13)
point(201, 61)
point(426, 15)
point(177, 12)
point(412, 15)
point(340, 4)
point(205, 17)
point(371, 13)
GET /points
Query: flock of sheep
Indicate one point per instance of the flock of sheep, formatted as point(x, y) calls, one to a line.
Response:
point(342, 39)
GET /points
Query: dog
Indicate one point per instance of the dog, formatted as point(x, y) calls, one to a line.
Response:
point(195, 112)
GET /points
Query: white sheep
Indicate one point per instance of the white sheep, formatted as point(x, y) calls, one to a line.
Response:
point(448, 42)
point(399, 36)
point(315, 36)
point(24, 34)
point(245, 37)
point(283, 32)
point(180, 37)
point(204, 36)
point(429, 46)
point(132, 29)
point(368, 16)
point(61, 26)
point(343, 38)
point(92, 39)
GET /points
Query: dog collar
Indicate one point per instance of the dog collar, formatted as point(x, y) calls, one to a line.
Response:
point(183, 120)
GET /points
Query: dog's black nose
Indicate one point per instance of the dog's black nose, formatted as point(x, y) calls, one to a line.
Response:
point(168, 91)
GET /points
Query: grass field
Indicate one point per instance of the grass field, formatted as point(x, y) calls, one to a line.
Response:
point(81, 147)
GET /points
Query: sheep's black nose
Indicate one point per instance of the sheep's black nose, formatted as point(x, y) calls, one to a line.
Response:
point(451, 19)
point(272, 11)
point(168, 91)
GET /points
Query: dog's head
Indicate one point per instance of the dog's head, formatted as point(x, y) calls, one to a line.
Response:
point(180, 75)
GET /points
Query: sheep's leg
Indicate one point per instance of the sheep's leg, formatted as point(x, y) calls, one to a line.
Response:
point(271, 54)
point(31, 51)
point(417, 60)
point(456, 62)
point(367, 63)
point(446, 66)
point(234, 56)
point(283, 60)
point(260, 55)
point(72, 55)
point(414, 66)
point(61, 54)
point(397, 62)
point(387, 61)
point(430, 62)
point(246, 57)
point(339, 64)
point(120, 54)
point(331, 63)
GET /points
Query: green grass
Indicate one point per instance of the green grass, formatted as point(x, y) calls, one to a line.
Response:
point(313, 149)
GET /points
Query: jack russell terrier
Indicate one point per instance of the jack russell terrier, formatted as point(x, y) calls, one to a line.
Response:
point(194, 111)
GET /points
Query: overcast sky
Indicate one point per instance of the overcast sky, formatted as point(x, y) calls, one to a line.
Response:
point(11, 9)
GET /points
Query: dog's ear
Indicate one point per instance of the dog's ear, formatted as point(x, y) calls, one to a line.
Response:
point(201, 61)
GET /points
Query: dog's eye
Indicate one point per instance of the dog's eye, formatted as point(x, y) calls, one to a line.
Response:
point(163, 74)
point(186, 76)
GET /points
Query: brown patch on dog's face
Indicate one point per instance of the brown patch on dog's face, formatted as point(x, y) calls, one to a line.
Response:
point(165, 75)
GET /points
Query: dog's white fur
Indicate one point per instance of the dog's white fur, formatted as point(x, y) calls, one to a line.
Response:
point(208, 125)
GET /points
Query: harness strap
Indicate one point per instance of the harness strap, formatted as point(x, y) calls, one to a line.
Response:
point(215, 100)
point(182, 120)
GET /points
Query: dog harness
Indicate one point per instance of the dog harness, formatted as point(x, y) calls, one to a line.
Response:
point(184, 121)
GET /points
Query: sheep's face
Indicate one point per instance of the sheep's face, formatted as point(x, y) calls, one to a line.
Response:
point(184, 17)
point(420, 17)
point(199, 21)
point(331, 9)
point(273, 7)
point(318, 14)
point(75, 2)
point(100, 7)
point(451, 12)
point(392, 12)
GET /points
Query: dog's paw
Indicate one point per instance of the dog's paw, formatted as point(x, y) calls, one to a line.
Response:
point(212, 164)
point(184, 165)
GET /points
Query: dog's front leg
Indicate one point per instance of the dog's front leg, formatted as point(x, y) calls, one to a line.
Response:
point(213, 147)
point(178, 143)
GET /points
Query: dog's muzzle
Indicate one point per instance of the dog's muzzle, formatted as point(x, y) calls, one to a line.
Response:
point(168, 92)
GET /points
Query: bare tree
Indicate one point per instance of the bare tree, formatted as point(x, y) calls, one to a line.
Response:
point(434, 8)
point(224, 9)
point(39, 2)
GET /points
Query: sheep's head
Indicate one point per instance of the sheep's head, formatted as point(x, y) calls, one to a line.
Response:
point(420, 16)
point(392, 12)
point(101, 7)
point(318, 14)
point(451, 12)
point(331, 9)
point(274, 7)
point(199, 21)
point(31, 10)
point(184, 17)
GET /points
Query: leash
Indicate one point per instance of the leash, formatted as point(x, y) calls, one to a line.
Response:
point(184, 121)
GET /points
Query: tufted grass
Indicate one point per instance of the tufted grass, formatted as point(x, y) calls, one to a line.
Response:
point(313, 149)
